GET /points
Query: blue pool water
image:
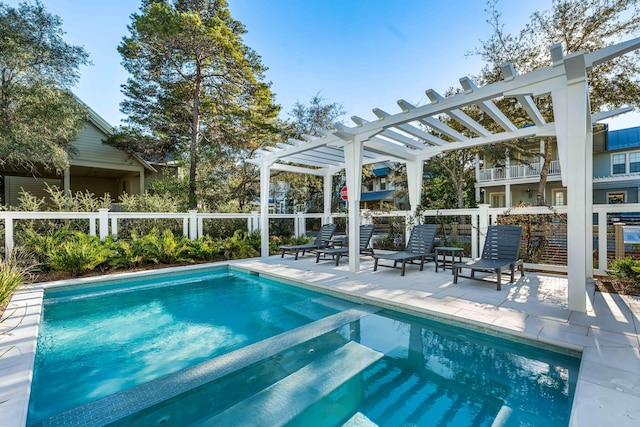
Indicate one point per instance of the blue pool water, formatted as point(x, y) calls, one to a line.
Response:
point(96, 341)
point(272, 354)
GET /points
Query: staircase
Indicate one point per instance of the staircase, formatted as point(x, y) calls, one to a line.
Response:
point(281, 402)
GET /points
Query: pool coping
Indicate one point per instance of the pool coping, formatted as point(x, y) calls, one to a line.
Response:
point(607, 390)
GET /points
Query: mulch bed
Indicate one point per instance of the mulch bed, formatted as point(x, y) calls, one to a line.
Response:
point(614, 285)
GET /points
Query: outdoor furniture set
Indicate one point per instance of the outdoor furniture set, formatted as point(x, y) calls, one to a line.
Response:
point(500, 252)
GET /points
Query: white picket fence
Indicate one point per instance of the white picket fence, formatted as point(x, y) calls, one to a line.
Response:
point(104, 222)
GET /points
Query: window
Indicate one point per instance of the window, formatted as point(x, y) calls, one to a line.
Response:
point(370, 186)
point(498, 200)
point(618, 164)
point(616, 198)
point(559, 197)
point(383, 183)
point(634, 162)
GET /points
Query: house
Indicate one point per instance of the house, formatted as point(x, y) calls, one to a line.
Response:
point(94, 167)
point(380, 189)
point(616, 167)
point(514, 180)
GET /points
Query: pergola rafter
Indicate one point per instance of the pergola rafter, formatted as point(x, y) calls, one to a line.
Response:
point(416, 134)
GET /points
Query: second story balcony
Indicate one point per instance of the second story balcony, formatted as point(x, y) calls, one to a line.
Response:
point(516, 172)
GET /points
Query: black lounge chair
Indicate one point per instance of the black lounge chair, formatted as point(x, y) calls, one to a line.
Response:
point(419, 248)
point(321, 241)
point(366, 232)
point(500, 252)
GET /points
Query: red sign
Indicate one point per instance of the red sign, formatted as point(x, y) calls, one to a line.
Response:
point(343, 193)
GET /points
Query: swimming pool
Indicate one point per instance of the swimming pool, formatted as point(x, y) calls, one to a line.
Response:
point(281, 355)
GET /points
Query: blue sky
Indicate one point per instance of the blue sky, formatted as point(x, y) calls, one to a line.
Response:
point(364, 54)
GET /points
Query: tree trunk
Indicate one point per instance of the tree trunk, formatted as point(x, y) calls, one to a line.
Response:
point(195, 134)
point(544, 172)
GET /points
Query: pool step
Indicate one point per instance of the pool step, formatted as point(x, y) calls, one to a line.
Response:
point(281, 402)
point(318, 308)
point(359, 420)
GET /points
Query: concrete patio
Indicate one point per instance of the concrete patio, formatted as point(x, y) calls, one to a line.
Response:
point(534, 308)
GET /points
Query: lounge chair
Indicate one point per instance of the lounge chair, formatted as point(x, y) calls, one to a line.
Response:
point(320, 242)
point(366, 231)
point(419, 248)
point(500, 252)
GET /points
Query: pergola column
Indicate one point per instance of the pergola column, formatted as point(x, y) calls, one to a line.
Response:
point(328, 190)
point(414, 184)
point(573, 129)
point(265, 181)
point(353, 169)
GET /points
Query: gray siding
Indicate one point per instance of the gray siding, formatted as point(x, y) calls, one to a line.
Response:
point(602, 164)
point(14, 185)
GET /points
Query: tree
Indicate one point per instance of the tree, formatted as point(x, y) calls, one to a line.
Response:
point(196, 90)
point(38, 114)
point(580, 25)
point(312, 119)
point(308, 120)
point(450, 180)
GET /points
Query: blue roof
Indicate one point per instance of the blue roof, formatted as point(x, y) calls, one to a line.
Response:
point(381, 172)
point(623, 138)
point(371, 196)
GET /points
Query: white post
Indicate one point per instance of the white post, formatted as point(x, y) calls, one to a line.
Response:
point(588, 192)
point(507, 167)
point(92, 226)
point(253, 221)
point(265, 177)
point(300, 225)
point(474, 236)
point(353, 166)
point(414, 185)
point(193, 224)
point(114, 227)
point(482, 226)
point(328, 191)
point(185, 226)
point(602, 241)
point(103, 223)
point(8, 235)
point(572, 118)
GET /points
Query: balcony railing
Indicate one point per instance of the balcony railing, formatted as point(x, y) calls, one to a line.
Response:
point(516, 171)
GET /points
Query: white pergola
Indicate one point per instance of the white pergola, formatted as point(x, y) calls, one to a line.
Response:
point(413, 136)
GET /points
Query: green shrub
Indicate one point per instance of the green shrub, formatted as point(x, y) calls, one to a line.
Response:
point(627, 268)
point(13, 274)
point(123, 253)
point(164, 248)
point(42, 246)
point(82, 254)
point(205, 249)
point(239, 246)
